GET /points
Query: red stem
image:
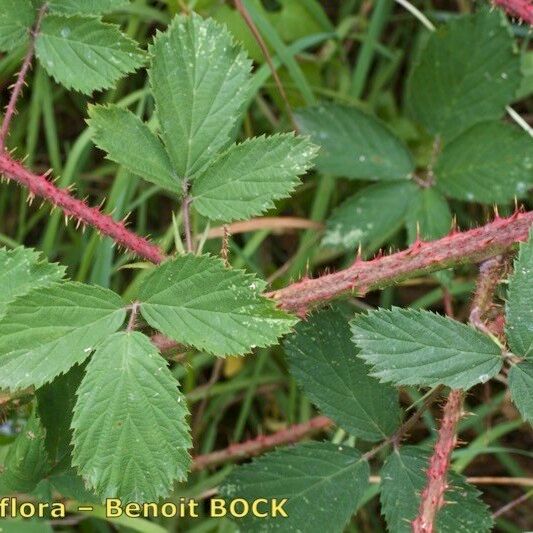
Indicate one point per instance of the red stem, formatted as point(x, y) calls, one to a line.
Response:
point(11, 108)
point(262, 443)
point(523, 9)
point(298, 432)
point(432, 498)
point(38, 185)
point(421, 258)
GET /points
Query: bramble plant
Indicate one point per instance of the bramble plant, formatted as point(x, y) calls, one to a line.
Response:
point(107, 377)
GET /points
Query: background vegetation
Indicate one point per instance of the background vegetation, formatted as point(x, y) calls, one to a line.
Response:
point(351, 52)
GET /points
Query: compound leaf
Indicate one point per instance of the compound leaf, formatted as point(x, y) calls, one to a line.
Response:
point(131, 143)
point(370, 217)
point(26, 462)
point(84, 54)
point(492, 162)
point(355, 145)
point(403, 477)
point(450, 90)
point(47, 331)
point(521, 385)
point(87, 7)
point(200, 80)
point(23, 269)
point(409, 347)
point(16, 19)
point(324, 362)
point(247, 178)
point(322, 482)
point(131, 438)
point(519, 313)
point(197, 301)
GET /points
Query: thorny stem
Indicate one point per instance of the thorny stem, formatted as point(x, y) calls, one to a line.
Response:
point(522, 9)
point(39, 185)
point(470, 246)
point(11, 108)
point(432, 498)
point(455, 249)
point(258, 445)
point(185, 207)
point(295, 433)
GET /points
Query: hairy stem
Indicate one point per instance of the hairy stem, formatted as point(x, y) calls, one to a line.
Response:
point(39, 185)
point(11, 108)
point(134, 312)
point(296, 433)
point(253, 447)
point(421, 258)
point(432, 498)
point(490, 273)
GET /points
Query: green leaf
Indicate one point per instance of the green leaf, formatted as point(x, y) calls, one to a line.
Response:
point(355, 145)
point(247, 178)
point(131, 438)
point(429, 214)
point(409, 347)
point(519, 313)
point(450, 89)
point(24, 269)
point(47, 331)
point(86, 7)
point(324, 362)
point(370, 217)
point(200, 81)
point(521, 386)
point(403, 477)
point(131, 143)
point(322, 482)
point(197, 301)
point(492, 162)
point(26, 462)
point(16, 19)
point(84, 54)
point(55, 405)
